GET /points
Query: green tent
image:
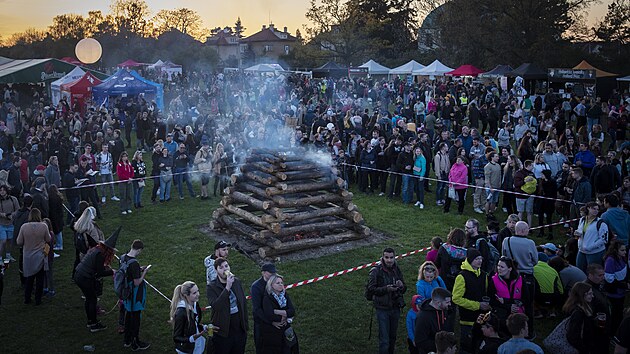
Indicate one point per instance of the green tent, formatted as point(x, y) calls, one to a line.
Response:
point(36, 70)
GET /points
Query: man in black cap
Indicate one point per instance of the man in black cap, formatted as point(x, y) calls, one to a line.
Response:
point(258, 291)
point(221, 250)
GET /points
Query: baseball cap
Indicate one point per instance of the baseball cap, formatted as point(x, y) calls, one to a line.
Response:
point(550, 246)
point(269, 267)
point(222, 244)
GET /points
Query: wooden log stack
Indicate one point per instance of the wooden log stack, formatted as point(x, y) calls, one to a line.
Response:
point(286, 202)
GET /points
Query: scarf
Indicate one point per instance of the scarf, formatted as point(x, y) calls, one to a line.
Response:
point(280, 298)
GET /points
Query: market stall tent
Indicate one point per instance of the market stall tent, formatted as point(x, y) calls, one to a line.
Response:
point(465, 70)
point(55, 86)
point(330, 69)
point(129, 63)
point(126, 83)
point(264, 68)
point(625, 78)
point(528, 71)
point(434, 69)
point(33, 71)
point(499, 70)
point(407, 68)
point(80, 90)
point(375, 68)
point(598, 73)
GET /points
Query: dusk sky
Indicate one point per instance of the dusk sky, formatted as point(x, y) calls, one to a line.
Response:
point(18, 15)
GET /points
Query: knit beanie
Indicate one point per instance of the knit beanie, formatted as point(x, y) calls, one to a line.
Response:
point(471, 254)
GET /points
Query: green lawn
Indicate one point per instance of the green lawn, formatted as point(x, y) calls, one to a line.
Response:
point(332, 315)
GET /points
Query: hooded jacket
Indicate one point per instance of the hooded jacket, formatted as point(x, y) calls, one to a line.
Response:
point(458, 174)
point(618, 221)
point(429, 321)
point(470, 286)
point(594, 236)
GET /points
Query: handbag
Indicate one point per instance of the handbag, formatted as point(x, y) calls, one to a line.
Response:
point(556, 342)
point(290, 339)
point(141, 183)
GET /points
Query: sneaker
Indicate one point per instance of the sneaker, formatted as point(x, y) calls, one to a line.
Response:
point(103, 200)
point(504, 210)
point(421, 206)
point(181, 198)
point(56, 255)
point(10, 258)
point(97, 327)
point(381, 194)
point(129, 211)
point(478, 211)
point(115, 198)
point(552, 314)
point(124, 212)
point(125, 344)
point(140, 345)
point(417, 204)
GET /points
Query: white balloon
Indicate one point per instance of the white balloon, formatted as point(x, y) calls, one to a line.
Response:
point(88, 50)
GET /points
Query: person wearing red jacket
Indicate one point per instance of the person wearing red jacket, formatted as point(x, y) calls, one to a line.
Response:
point(124, 170)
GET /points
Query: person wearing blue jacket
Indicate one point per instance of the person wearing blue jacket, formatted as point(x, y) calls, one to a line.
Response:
point(428, 279)
point(617, 219)
point(419, 172)
point(585, 159)
point(411, 324)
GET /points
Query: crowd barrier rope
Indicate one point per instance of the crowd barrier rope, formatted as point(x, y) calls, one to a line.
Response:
point(461, 184)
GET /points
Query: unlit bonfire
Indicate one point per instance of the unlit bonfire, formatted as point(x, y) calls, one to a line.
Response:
point(286, 201)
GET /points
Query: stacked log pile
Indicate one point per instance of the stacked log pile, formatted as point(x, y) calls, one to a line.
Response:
point(285, 203)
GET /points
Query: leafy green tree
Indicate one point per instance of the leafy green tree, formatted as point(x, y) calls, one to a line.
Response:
point(67, 26)
point(131, 17)
point(614, 29)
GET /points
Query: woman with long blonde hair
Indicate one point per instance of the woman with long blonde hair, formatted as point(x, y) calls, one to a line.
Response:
point(86, 225)
point(185, 316)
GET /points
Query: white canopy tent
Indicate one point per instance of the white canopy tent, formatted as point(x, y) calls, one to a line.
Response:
point(55, 86)
point(264, 68)
point(625, 78)
point(407, 69)
point(375, 68)
point(156, 65)
point(434, 69)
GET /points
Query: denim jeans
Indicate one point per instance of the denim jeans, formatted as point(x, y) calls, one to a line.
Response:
point(105, 179)
point(407, 188)
point(387, 329)
point(137, 193)
point(590, 122)
point(180, 177)
point(583, 260)
point(165, 189)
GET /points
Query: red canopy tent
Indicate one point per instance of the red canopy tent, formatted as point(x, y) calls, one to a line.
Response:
point(79, 91)
point(71, 60)
point(129, 63)
point(466, 70)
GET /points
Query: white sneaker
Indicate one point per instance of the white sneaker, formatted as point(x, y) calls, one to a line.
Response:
point(124, 213)
point(128, 211)
point(417, 204)
point(504, 210)
point(56, 256)
point(115, 198)
point(381, 194)
point(478, 211)
point(103, 200)
point(421, 206)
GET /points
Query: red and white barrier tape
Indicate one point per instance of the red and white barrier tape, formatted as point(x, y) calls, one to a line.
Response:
point(462, 184)
point(555, 223)
point(350, 270)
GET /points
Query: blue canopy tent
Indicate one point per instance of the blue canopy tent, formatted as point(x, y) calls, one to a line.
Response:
point(128, 83)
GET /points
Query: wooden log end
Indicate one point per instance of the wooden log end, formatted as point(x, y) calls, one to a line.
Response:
point(266, 205)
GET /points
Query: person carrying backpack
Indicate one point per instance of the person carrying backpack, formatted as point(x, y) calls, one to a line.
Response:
point(132, 290)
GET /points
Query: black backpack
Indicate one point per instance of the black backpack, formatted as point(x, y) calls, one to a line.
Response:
point(80, 242)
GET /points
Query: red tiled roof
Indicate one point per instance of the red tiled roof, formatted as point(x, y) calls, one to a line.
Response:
point(268, 35)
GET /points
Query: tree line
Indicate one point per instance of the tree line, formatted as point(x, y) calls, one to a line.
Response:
point(483, 33)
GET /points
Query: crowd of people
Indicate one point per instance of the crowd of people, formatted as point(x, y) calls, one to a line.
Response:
point(540, 155)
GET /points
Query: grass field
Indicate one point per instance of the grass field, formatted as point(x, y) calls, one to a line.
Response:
point(332, 315)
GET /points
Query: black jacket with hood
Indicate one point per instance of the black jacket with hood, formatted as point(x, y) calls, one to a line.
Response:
point(429, 321)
